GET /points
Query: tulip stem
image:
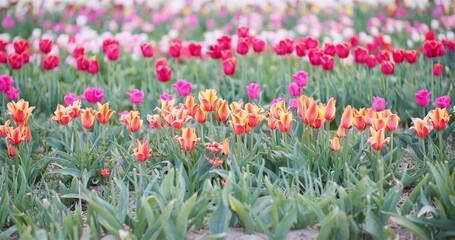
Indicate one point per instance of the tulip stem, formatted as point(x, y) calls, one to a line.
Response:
point(391, 153)
point(252, 140)
point(424, 150)
point(239, 145)
point(190, 182)
point(66, 137)
point(441, 145)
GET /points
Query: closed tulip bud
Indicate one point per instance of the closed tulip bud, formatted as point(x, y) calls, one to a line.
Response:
point(430, 35)
point(175, 49)
point(347, 119)
point(330, 49)
point(163, 73)
point(3, 57)
point(45, 45)
point(341, 132)
point(360, 55)
point(15, 61)
point(224, 42)
point(201, 115)
point(50, 62)
point(439, 118)
point(226, 150)
point(142, 152)
point(93, 67)
point(222, 111)
point(398, 55)
point(136, 96)
point(82, 63)
point(437, 69)
point(379, 104)
point(243, 45)
point(87, 118)
point(392, 122)
point(335, 144)
point(21, 46)
point(293, 89)
point(311, 42)
point(411, 56)
point(421, 127)
point(147, 50)
point(253, 90)
point(258, 44)
point(229, 66)
point(188, 139)
point(195, 49)
point(11, 151)
point(315, 56)
point(388, 68)
point(108, 42)
point(371, 61)
point(300, 49)
point(359, 122)
point(113, 52)
point(422, 98)
point(330, 110)
point(433, 49)
point(343, 49)
point(327, 62)
point(78, 52)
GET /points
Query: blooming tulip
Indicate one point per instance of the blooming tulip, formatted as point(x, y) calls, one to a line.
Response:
point(360, 54)
point(142, 152)
point(293, 89)
point(222, 110)
point(258, 44)
point(253, 90)
point(21, 46)
point(93, 95)
point(87, 118)
point(20, 111)
point(421, 127)
point(243, 45)
point(343, 49)
point(443, 102)
point(163, 73)
point(15, 61)
point(183, 87)
point(147, 50)
point(104, 113)
point(377, 139)
point(300, 78)
point(422, 98)
point(208, 99)
point(93, 67)
point(371, 61)
point(188, 139)
point(439, 118)
point(411, 56)
point(387, 68)
point(5, 82)
point(45, 45)
point(104, 172)
point(50, 62)
point(78, 52)
point(378, 104)
point(136, 96)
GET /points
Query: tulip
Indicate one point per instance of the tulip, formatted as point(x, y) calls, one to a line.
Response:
point(243, 31)
point(188, 139)
point(225, 54)
point(93, 67)
point(136, 96)
point(284, 46)
point(3, 57)
point(439, 118)
point(155, 121)
point(78, 52)
point(311, 42)
point(341, 132)
point(93, 95)
point(315, 56)
point(215, 51)
point(176, 118)
point(20, 112)
point(222, 110)
point(113, 52)
point(4, 129)
point(147, 50)
point(285, 122)
point(142, 152)
point(443, 102)
point(195, 49)
point(387, 68)
point(105, 172)
point(190, 105)
point(201, 115)
point(383, 56)
point(16, 136)
point(253, 90)
point(224, 42)
point(87, 118)
point(25, 58)
point(45, 45)
point(160, 62)
point(371, 61)
point(240, 122)
point(50, 62)
point(411, 56)
point(108, 42)
point(343, 49)
point(300, 49)
point(255, 115)
point(335, 144)
point(293, 89)
point(300, 78)
point(359, 122)
point(422, 98)
point(82, 63)
point(377, 139)
point(421, 127)
point(437, 69)
point(11, 151)
point(133, 121)
point(214, 161)
point(392, 122)
point(163, 73)
point(330, 110)
point(330, 49)
point(61, 115)
point(183, 87)
point(21, 46)
point(104, 113)
point(226, 150)
point(433, 49)
point(430, 35)
point(15, 61)
point(208, 99)
point(243, 45)
point(360, 55)
point(166, 97)
point(258, 44)
point(74, 109)
point(379, 104)
point(213, 147)
point(398, 55)
point(293, 103)
point(5, 82)
point(327, 62)
point(347, 119)
point(229, 66)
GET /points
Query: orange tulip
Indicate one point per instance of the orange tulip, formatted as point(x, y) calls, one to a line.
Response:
point(20, 111)
point(226, 150)
point(4, 129)
point(176, 118)
point(240, 122)
point(155, 121)
point(341, 132)
point(87, 118)
point(330, 110)
point(335, 144)
point(359, 122)
point(285, 122)
point(347, 119)
point(214, 161)
point(439, 118)
point(320, 119)
point(61, 115)
point(377, 139)
point(379, 123)
point(254, 114)
point(142, 152)
point(307, 109)
point(188, 139)
point(208, 99)
point(213, 147)
point(133, 121)
point(392, 122)
point(11, 151)
point(236, 105)
point(201, 115)
point(74, 110)
point(421, 127)
point(369, 114)
point(222, 111)
point(16, 136)
point(27, 133)
point(190, 105)
point(166, 105)
point(104, 113)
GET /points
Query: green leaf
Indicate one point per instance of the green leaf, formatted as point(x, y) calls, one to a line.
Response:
point(219, 221)
point(421, 232)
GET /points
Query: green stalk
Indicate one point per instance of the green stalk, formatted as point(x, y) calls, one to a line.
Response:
point(189, 172)
point(424, 150)
point(239, 145)
point(391, 153)
point(441, 150)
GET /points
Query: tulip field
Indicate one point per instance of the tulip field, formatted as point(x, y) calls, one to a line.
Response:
point(191, 119)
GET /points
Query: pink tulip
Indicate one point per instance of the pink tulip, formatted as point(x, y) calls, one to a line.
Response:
point(8, 22)
point(93, 95)
point(277, 100)
point(5, 82)
point(70, 98)
point(253, 90)
point(293, 103)
point(301, 78)
point(378, 104)
point(423, 98)
point(443, 102)
point(136, 96)
point(12, 93)
point(294, 89)
point(166, 96)
point(183, 87)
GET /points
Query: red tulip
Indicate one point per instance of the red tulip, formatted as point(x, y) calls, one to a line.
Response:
point(411, 56)
point(163, 73)
point(343, 49)
point(371, 61)
point(327, 62)
point(93, 67)
point(281, 48)
point(243, 45)
point(360, 55)
point(174, 49)
point(215, 51)
point(398, 55)
point(437, 69)
point(50, 62)
point(330, 49)
point(311, 42)
point(78, 51)
point(229, 66)
point(387, 68)
point(147, 50)
point(3, 57)
point(354, 41)
point(45, 45)
point(109, 41)
point(195, 49)
point(113, 52)
point(383, 56)
point(432, 49)
point(315, 56)
point(82, 63)
point(15, 61)
point(258, 44)
point(300, 49)
point(25, 57)
point(243, 31)
point(224, 42)
point(430, 35)
point(21, 46)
